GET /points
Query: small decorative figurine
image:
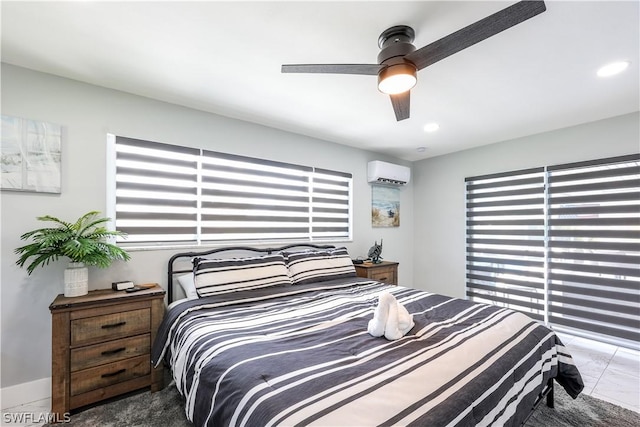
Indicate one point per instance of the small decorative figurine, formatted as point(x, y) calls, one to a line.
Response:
point(375, 253)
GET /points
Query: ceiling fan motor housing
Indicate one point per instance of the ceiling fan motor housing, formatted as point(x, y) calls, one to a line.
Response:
point(395, 42)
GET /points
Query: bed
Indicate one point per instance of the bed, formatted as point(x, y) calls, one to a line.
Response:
point(279, 337)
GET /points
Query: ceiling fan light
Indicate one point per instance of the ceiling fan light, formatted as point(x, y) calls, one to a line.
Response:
point(431, 127)
point(397, 78)
point(613, 68)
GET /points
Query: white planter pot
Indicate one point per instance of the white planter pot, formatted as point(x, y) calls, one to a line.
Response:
point(76, 280)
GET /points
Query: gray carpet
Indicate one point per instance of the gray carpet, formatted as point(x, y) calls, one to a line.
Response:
point(585, 411)
point(165, 408)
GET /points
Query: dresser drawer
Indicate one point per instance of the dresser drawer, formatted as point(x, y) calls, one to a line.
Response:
point(101, 328)
point(111, 373)
point(111, 351)
point(385, 271)
point(386, 275)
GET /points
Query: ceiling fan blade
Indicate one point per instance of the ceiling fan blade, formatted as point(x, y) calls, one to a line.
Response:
point(476, 32)
point(401, 104)
point(366, 69)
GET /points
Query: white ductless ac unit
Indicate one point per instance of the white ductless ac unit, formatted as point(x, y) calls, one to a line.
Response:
point(387, 173)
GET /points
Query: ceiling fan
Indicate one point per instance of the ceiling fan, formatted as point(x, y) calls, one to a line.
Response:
point(399, 61)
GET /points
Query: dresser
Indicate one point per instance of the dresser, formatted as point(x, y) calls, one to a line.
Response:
point(385, 271)
point(101, 346)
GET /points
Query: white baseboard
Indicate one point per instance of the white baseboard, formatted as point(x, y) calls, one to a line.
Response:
point(20, 394)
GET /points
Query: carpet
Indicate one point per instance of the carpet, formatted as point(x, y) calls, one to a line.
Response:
point(166, 408)
point(585, 411)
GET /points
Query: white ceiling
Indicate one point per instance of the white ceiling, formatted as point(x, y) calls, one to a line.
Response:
point(225, 57)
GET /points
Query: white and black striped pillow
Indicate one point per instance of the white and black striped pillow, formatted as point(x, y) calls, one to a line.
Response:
point(318, 266)
point(220, 276)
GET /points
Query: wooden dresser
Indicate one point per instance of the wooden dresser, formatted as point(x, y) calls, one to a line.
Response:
point(101, 346)
point(385, 271)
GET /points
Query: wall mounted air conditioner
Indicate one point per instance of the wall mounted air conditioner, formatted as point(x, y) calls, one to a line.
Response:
point(387, 173)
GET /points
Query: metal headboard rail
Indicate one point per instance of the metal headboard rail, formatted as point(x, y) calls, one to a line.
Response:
point(171, 271)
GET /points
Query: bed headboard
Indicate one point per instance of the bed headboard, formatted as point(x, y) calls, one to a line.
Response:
point(182, 263)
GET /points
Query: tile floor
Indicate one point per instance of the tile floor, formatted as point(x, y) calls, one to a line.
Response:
point(33, 410)
point(609, 373)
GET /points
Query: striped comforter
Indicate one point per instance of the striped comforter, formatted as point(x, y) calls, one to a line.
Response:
point(301, 355)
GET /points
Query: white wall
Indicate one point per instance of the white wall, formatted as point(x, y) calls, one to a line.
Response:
point(439, 195)
point(87, 114)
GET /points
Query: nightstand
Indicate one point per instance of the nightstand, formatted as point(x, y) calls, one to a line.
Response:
point(101, 346)
point(385, 271)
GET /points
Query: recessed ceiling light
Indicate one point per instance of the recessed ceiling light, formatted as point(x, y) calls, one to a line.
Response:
point(431, 127)
point(613, 68)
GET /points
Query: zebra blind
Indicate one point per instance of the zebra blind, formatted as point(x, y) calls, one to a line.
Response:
point(156, 197)
point(561, 243)
point(243, 199)
point(330, 204)
point(166, 194)
point(505, 240)
point(594, 246)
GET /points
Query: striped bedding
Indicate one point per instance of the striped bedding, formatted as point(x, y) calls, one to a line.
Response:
point(301, 355)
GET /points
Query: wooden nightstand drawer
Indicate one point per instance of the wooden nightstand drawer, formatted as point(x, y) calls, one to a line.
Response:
point(111, 351)
point(111, 373)
point(385, 271)
point(383, 275)
point(108, 326)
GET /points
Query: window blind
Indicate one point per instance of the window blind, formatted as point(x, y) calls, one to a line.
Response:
point(244, 199)
point(505, 240)
point(594, 246)
point(330, 204)
point(156, 196)
point(167, 194)
point(561, 243)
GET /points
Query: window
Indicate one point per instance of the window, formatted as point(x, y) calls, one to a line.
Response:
point(594, 247)
point(170, 195)
point(505, 240)
point(561, 243)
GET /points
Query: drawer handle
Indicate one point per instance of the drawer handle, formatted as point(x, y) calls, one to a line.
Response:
point(113, 374)
point(114, 325)
point(382, 279)
point(110, 352)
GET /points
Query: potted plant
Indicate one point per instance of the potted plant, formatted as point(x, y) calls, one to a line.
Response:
point(84, 242)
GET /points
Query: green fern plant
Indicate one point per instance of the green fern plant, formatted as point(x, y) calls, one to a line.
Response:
point(82, 241)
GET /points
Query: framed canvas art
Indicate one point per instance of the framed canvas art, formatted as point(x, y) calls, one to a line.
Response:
point(385, 206)
point(31, 153)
